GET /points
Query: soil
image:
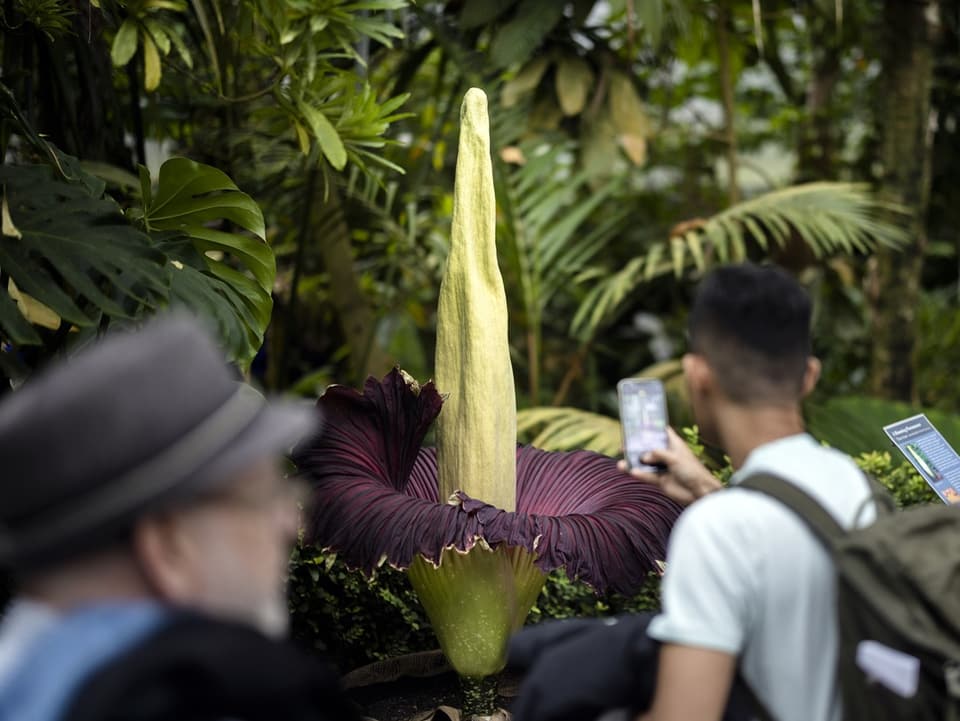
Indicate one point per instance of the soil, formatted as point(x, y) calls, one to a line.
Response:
point(409, 697)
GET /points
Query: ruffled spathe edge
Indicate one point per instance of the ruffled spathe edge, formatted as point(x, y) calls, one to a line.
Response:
point(375, 496)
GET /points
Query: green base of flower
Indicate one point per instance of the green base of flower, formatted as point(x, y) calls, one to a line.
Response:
point(475, 601)
point(479, 696)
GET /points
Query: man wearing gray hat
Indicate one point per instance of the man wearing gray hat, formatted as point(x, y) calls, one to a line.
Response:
point(145, 519)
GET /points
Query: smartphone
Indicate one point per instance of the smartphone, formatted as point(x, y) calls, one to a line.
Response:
point(643, 417)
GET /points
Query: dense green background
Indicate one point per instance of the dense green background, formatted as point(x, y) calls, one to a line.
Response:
point(635, 145)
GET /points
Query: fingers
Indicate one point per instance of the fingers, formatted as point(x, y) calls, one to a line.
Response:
point(674, 438)
point(660, 457)
point(655, 478)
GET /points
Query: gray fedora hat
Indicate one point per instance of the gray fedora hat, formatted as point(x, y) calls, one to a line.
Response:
point(138, 422)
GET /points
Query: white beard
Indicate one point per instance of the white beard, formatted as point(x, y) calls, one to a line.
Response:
point(272, 617)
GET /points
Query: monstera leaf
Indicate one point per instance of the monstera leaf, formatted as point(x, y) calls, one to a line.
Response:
point(230, 274)
point(71, 251)
point(70, 258)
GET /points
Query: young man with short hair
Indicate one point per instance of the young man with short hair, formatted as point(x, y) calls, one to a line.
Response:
point(747, 586)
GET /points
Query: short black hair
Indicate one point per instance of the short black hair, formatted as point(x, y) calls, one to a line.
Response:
point(752, 324)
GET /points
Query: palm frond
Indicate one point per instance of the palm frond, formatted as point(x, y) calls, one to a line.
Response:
point(828, 217)
point(549, 227)
point(568, 429)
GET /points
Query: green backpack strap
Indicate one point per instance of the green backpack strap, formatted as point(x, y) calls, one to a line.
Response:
point(820, 522)
point(823, 525)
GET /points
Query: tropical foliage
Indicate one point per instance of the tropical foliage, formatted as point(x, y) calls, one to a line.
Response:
point(71, 258)
point(633, 145)
point(477, 561)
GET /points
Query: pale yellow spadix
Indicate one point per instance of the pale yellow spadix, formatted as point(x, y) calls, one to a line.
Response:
point(477, 428)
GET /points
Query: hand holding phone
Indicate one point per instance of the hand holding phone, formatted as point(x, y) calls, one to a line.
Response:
point(643, 418)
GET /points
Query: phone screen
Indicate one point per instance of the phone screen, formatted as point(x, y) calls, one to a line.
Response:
point(643, 416)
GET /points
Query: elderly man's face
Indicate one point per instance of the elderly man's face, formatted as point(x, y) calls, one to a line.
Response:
point(240, 541)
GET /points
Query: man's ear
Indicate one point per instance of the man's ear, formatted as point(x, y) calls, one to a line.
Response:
point(699, 375)
point(811, 375)
point(163, 552)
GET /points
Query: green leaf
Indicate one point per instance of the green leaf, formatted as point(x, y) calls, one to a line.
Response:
point(574, 81)
point(151, 64)
point(254, 254)
point(75, 254)
point(326, 135)
point(13, 325)
point(626, 109)
point(189, 197)
point(696, 249)
point(189, 193)
point(194, 286)
point(481, 12)
point(569, 429)
point(520, 37)
point(181, 47)
point(212, 48)
point(677, 250)
point(374, 5)
point(177, 7)
point(653, 259)
point(124, 43)
point(524, 82)
point(113, 174)
point(158, 33)
point(146, 186)
point(829, 217)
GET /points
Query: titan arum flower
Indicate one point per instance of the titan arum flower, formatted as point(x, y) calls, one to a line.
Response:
point(477, 522)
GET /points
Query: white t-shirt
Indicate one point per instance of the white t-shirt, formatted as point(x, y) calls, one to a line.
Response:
point(745, 576)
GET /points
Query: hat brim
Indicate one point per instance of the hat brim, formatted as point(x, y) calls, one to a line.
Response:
point(274, 432)
point(270, 430)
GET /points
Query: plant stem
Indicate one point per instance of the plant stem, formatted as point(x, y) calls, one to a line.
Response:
point(533, 361)
point(303, 239)
point(479, 695)
point(133, 76)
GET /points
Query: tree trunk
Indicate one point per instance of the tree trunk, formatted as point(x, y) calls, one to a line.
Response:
point(354, 311)
point(818, 133)
point(907, 130)
point(726, 94)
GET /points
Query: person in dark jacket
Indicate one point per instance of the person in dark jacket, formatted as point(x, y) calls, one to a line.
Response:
point(148, 526)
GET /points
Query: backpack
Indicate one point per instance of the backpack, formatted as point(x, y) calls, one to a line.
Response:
point(898, 605)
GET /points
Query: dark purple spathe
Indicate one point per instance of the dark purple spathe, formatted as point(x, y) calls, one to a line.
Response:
point(375, 493)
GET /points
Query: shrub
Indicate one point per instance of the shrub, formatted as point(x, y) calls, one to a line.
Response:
point(357, 620)
point(904, 483)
